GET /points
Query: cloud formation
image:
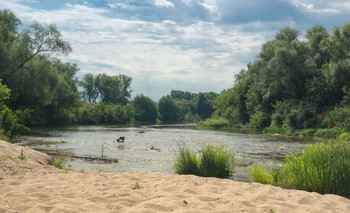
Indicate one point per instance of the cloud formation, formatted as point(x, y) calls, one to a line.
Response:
point(194, 45)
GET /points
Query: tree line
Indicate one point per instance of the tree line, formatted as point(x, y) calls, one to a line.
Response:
point(37, 88)
point(294, 83)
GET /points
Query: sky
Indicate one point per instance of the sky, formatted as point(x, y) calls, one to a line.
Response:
point(164, 45)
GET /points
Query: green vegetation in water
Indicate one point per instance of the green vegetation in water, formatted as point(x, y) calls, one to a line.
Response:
point(321, 167)
point(214, 161)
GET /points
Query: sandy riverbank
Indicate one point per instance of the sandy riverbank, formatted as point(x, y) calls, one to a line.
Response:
point(33, 185)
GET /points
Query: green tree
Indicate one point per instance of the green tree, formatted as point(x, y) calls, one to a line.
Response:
point(168, 109)
point(145, 110)
point(90, 86)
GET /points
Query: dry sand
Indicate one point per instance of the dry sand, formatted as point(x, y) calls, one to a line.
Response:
point(33, 185)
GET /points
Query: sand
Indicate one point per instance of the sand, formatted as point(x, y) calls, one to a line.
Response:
point(33, 185)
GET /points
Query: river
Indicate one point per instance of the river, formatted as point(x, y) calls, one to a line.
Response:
point(153, 148)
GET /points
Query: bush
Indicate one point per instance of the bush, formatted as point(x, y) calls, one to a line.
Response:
point(214, 123)
point(323, 168)
point(344, 136)
point(273, 130)
point(328, 133)
point(308, 132)
point(258, 173)
point(216, 161)
point(186, 162)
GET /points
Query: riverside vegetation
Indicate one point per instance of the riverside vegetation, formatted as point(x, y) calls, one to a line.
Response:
point(321, 167)
point(213, 161)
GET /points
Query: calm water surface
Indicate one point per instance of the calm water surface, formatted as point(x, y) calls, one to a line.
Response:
point(153, 148)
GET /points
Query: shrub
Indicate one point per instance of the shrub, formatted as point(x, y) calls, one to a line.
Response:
point(186, 162)
point(324, 168)
point(308, 132)
point(328, 133)
point(214, 123)
point(216, 161)
point(258, 173)
point(273, 129)
point(344, 136)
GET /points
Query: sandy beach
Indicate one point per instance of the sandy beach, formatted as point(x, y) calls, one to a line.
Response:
point(34, 185)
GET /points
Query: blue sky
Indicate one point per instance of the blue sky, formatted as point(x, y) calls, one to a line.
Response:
point(191, 45)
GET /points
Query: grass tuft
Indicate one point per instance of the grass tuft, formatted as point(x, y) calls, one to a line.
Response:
point(61, 163)
point(186, 162)
point(321, 167)
point(258, 173)
point(214, 161)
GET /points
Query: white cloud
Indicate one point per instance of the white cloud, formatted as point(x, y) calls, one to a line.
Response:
point(163, 3)
point(320, 7)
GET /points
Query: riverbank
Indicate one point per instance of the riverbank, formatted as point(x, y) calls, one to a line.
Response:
point(33, 185)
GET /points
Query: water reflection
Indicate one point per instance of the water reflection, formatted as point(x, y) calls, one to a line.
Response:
point(153, 148)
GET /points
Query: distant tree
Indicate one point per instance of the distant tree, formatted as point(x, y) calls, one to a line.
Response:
point(168, 109)
point(114, 89)
point(145, 110)
point(90, 86)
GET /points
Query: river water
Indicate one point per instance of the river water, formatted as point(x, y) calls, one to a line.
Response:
point(153, 148)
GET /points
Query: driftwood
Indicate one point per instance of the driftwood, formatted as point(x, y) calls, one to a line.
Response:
point(89, 158)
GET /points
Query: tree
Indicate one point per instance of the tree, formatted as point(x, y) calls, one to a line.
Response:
point(38, 40)
point(90, 86)
point(145, 109)
point(168, 109)
point(114, 89)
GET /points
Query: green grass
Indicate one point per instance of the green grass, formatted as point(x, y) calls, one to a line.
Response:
point(328, 133)
point(61, 163)
point(273, 130)
point(258, 173)
point(214, 123)
point(6, 157)
point(308, 132)
point(186, 162)
point(321, 167)
point(214, 161)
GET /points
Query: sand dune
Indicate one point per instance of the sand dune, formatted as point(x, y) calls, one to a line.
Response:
point(33, 185)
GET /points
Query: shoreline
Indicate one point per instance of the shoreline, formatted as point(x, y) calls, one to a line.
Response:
point(34, 185)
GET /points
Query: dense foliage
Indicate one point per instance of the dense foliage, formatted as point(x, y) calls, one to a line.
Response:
point(294, 84)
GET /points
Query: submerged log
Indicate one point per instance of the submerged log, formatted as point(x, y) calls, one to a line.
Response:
point(88, 158)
